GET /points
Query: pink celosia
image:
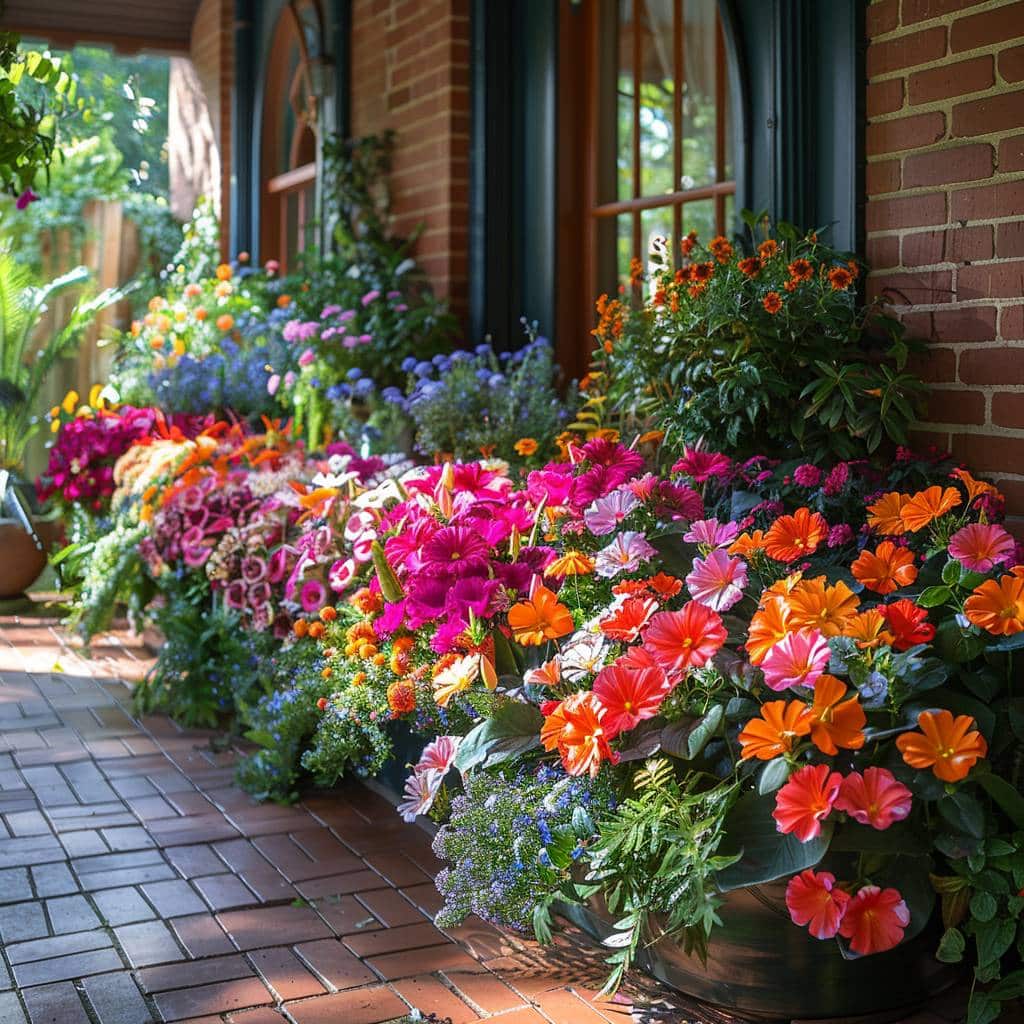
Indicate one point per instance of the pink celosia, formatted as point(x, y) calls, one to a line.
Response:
point(796, 660)
point(718, 580)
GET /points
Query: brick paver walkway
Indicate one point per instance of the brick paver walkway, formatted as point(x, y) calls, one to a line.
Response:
point(137, 884)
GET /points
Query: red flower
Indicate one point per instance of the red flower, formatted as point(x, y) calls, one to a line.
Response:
point(875, 920)
point(813, 900)
point(874, 798)
point(806, 800)
point(908, 623)
point(629, 695)
point(685, 639)
point(626, 621)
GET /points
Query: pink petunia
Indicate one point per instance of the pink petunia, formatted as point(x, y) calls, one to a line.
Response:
point(875, 798)
point(796, 660)
point(624, 554)
point(980, 547)
point(813, 900)
point(718, 580)
point(606, 513)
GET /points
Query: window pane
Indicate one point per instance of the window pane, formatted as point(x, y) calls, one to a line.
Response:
point(657, 94)
point(623, 246)
point(699, 115)
point(624, 101)
point(700, 217)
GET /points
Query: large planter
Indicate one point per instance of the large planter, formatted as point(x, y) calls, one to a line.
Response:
point(21, 561)
point(762, 965)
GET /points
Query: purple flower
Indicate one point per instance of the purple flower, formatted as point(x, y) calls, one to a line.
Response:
point(369, 297)
point(840, 534)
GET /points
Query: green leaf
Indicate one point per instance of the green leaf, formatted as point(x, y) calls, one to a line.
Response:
point(1011, 987)
point(389, 585)
point(689, 736)
point(951, 946)
point(994, 938)
point(963, 812)
point(982, 1009)
point(951, 572)
point(934, 596)
point(773, 776)
point(983, 906)
point(1008, 643)
point(1006, 795)
point(767, 855)
point(513, 729)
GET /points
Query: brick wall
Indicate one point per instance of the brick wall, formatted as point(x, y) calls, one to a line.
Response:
point(945, 183)
point(410, 72)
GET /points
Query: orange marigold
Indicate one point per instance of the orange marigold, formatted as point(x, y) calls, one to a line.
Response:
point(750, 266)
point(840, 278)
point(401, 698)
point(801, 269)
point(768, 249)
point(772, 303)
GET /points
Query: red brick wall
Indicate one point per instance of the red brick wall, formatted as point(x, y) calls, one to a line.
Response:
point(945, 183)
point(410, 72)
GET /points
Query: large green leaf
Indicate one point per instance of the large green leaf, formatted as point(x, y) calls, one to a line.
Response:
point(513, 729)
point(765, 854)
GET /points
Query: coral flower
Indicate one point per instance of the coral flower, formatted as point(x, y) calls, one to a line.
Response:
point(885, 516)
point(684, 639)
point(975, 488)
point(572, 563)
point(542, 617)
point(813, 900)
point(949, 746)
point(718, 580)
point(886, 569)
point(795, 536)
point(874, 798)
point(796, 660)
point(806, 800)
point(908, 624)
point(980, 547)
point(813, 605)
point(575, 728)
point(997, 606)
point(836, 722)
point(665, 586)
point(628, 619)
point(868, 630)
point(629, 695)
point(549, 674)
point(767, 627)
point(439, 754)
point(875, 920)
point(928, 505)
point(772, 734)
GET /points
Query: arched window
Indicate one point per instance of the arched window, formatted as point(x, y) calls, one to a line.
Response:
point(290, 142)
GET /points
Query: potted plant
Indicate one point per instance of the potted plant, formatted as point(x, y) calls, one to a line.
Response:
point(22, 373)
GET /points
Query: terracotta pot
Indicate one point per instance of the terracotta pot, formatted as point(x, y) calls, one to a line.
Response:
point(21, 562)
point(760, 964)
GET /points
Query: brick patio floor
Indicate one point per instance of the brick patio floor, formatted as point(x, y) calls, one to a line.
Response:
point(138, 884)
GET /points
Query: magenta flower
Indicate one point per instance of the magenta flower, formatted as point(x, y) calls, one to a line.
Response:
point(26, 197)
point(701, 466)
point(980, 547)
point(307, 357)
point(606, 513)
point(718, 580)
point(836, 480)
point(710, 533)
point(455, 550)
point(840, 534)
point(624, 554)
point(341, 574)
point(796, 660)
point(369, 297)
point(807, 475)
point(234, 596)
point(312, 596)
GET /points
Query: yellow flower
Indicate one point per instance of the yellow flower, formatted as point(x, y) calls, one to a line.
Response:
point(458, 676)
point(70, 401)
point(572, 563)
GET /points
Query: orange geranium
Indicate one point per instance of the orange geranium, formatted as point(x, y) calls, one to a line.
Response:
point(885, 516)
point(997, 606)
point(767, 627)
point(540, 618)
point(926, 506)
point(949, 746)
point(795, 536)
point(815, 605)
point(774, 733)
point(836, 722)
point(885, 569)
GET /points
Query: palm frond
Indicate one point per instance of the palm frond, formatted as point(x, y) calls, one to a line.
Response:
point(15, 279)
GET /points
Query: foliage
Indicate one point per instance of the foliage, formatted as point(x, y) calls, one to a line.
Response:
point(761, 352)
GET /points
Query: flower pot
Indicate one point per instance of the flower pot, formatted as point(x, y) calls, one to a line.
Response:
point(21, 561)
point(760, 964)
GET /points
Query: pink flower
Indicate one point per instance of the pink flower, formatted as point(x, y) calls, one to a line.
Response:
point(701, 466)
point(624, 554)
point(874, 798)
point(26, 197)
point(717, 580)
point(369, 297)
point(875, 920)
point(439, 755)
point(807, 476)
point(796, 660)
point(806, 800)
point(341, 574)
point(980, 547)
point(836, 480)
point(813, 900)
point(313, 596)
point(840, 534)
point(307, 357)
point(712, 534)
point(606, 513)
point(273, 383)
point(421, 789)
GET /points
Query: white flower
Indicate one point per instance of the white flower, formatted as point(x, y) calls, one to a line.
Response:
point(583, 656)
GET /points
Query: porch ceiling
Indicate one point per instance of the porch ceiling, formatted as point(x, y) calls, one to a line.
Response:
point(127, 25)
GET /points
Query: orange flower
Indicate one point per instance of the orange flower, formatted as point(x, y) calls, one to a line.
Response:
point(840, 278)
point(401, 698)
point(721, 249)
point(836, 722)
point(926, 506)
point(572, 563)
point(575, 729)
point(975, 488)
point(885, 516)
point(998, 606)
point(225, 322)
point(747, 543)
point(283, 301)
point(540, 618)
point(795, 536)
point(525, 446)
point(767, 628)
point(772, 303)
point(949, 746)
point(664, 585)
point(801, 270)
point(813, 605)
point(868, 629)
point(750, 266)
point(886, 569)
point(224, 272)
point(772, 734)
point(766, 250)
